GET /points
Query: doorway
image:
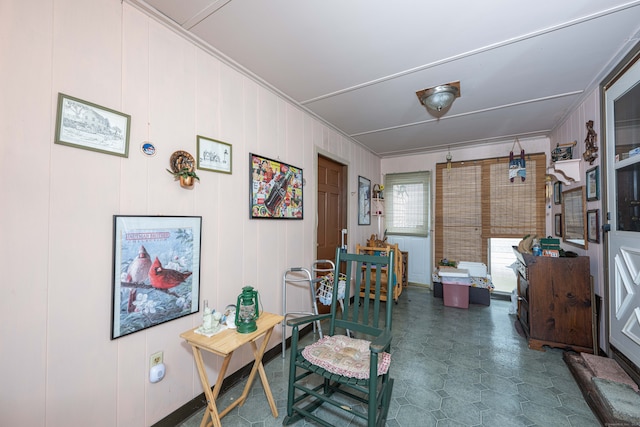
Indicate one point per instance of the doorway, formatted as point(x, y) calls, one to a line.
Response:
point(622, 122)
point(501, 257)
point(332, 206)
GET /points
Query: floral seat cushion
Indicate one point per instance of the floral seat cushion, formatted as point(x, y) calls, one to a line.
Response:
point(345, 356)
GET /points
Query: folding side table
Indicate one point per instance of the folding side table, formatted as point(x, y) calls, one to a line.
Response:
point(224, 344)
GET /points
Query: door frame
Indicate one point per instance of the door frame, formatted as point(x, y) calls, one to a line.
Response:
point(616, 73)
point(317, 151)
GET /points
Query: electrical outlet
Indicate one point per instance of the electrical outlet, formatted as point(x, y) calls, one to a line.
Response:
point(156, 359)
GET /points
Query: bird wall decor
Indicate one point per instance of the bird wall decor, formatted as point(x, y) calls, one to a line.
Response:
point(164, 278)
point(138, 271)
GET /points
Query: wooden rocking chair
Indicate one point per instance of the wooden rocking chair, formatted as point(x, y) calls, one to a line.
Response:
point(352, 368)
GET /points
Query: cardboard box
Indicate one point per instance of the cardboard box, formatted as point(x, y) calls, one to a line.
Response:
point(455, 295)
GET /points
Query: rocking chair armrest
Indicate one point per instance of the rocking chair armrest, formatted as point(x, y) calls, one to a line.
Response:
point(381, 343)
point(307, 319)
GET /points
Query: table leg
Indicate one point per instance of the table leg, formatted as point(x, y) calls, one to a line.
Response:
point(259, 368)
point(221, 374)
point(212, 410)
point(265, 385)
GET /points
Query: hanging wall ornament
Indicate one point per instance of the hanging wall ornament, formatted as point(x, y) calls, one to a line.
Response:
point(449, 157)
point(517, 167)
point(590, 151)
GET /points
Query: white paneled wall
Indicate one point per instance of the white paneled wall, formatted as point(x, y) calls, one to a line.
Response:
point(574, 129)
point(419, 257)
point(58, 365)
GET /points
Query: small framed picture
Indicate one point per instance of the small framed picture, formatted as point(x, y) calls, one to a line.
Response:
point(364, 201)
point(82, 124)
point(213, 155)
point(593, 184)
point(557, 193)
point(557, 225)
point(593, 226)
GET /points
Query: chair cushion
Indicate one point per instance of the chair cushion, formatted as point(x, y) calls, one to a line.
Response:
point(345, 356)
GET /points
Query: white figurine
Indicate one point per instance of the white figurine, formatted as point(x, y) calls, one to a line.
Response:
point(207, 319)
point(230, 316)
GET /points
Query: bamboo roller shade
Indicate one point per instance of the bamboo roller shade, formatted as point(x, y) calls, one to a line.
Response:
point(476, 201)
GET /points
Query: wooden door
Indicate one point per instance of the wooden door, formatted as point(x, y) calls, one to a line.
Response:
point(332, 206)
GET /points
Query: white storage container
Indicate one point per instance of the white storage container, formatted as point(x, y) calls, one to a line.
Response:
point(476, 269)
point(453, 272)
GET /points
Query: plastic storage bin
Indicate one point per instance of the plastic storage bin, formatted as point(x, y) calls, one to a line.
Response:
point(476, 269)
point(454, 275)
point(455, 295)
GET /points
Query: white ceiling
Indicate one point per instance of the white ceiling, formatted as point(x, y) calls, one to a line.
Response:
point(522, 65)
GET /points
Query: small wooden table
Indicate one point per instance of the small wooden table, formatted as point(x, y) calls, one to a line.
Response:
point(224, 344)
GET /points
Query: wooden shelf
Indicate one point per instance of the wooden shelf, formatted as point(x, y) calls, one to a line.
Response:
point(566, 171)
point(378, 207)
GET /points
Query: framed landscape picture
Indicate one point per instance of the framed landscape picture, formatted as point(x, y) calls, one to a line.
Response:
point(275, 189)
point(82, 124)
point(156, 271)
point(213, 155)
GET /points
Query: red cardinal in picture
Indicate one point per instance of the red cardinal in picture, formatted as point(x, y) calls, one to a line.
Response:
point(138, 270)
point(165, 278)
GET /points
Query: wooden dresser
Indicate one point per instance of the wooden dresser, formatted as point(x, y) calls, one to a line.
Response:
point(554, 302)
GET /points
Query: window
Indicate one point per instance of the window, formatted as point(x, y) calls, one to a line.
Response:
point(476, 201)
point(407, 198)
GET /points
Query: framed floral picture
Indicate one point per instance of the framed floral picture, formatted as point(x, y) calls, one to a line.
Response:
point(156, 271)
point(364, 201)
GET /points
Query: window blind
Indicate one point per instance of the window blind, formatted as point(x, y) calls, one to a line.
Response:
point(476, 201)
point(407, 198)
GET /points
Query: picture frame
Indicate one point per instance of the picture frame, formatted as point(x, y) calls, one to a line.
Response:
point(275, 189)
point(574, 215)
point(83, 124)
point(557, 225)
point(156, 271)
point(563, 151)
point(214, 155)
point(593, 225)
point(593, 184)
point(557, 193)
point(364, 201)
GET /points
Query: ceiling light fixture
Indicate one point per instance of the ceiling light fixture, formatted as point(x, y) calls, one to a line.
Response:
point(440, 97)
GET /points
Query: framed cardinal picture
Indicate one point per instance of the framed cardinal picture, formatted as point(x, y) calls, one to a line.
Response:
point(156, 271)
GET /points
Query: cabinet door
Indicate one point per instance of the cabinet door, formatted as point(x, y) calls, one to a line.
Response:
point(561, 312)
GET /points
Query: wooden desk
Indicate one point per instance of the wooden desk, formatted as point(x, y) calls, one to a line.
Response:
point(224, 344)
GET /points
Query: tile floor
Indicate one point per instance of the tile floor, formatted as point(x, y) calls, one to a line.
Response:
point(452, 367)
